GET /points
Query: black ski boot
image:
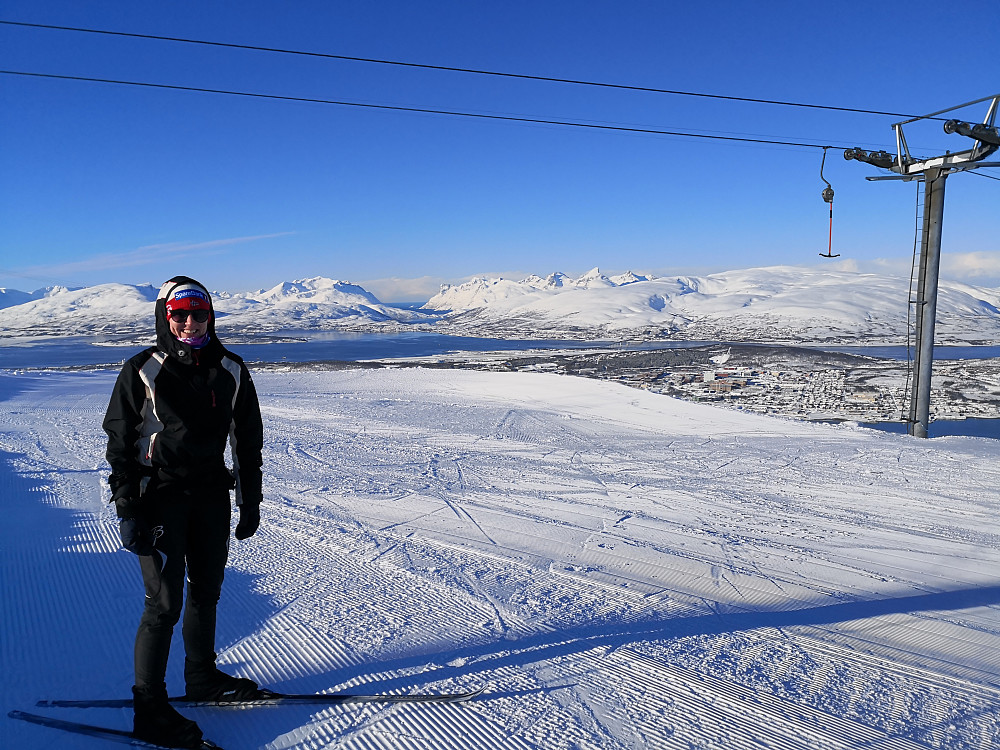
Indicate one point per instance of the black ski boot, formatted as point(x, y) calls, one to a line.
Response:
point(158, 722)
point(211, 684)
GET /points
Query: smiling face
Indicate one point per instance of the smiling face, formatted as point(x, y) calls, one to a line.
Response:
point(184, 326)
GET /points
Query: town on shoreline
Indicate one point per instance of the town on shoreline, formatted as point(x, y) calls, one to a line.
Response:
point(790, 381)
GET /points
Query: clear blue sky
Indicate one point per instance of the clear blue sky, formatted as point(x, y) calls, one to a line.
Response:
point(102, 182)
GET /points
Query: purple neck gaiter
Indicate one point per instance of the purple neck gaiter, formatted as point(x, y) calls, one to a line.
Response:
point(197, 343)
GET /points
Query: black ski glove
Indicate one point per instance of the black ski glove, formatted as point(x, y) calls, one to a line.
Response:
point(128, 506)
point(136, 536)
point(249, 520)
point(135, 533)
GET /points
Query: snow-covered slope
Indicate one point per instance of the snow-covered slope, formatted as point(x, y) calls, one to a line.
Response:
point(309, 303)
point(619, 569)
point(760, 304)
point(499, 292)
point(122, 308)
point(101, 309)
point(11, 297)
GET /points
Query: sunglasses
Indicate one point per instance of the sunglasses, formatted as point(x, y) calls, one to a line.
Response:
point(180, 316)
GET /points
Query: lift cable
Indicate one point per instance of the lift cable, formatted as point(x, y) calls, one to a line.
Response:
point(397, 108)
point(475, 71)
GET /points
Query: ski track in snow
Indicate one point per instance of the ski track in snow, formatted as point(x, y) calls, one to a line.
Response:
point(621, 569)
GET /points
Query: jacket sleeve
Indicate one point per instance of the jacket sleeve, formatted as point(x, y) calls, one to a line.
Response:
point(247, 442)
point(122, 423)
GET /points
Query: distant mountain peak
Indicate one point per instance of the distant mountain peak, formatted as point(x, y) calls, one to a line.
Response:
point(627, 278)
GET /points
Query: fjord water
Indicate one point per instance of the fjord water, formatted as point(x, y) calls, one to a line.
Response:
point(313, 346)
point(297, 346)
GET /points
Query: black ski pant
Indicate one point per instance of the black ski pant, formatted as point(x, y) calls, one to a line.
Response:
point(191, 533)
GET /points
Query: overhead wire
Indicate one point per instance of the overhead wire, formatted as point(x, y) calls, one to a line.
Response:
point(475, 71)
point(421, 110)
point(511, 118)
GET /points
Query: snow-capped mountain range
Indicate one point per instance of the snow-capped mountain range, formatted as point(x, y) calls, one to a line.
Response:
point(774, 304)
point(120, 309)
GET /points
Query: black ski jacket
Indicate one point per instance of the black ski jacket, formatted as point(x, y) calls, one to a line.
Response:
point(171, 413)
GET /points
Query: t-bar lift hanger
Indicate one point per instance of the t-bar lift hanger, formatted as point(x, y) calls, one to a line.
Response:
point(828, 197)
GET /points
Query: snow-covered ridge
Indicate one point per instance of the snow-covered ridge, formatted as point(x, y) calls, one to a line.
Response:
point(119, 308)
point(12, 297)
point(483, 292)
point(777, 303)
point(309, 303)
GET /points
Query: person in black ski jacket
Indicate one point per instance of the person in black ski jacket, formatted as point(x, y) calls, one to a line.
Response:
point(173, 409)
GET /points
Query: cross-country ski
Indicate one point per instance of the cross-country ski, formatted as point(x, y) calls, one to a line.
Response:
point(276, 699)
